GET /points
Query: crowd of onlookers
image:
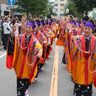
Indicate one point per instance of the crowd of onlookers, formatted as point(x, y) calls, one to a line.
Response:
point(6, 24)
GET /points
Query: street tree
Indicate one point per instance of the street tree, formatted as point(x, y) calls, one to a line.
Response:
point(35, 7)
point(83, 6)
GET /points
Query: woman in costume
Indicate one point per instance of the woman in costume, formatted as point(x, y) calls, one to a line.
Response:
point(83, 56)
point(43, 41)
point(23, 54)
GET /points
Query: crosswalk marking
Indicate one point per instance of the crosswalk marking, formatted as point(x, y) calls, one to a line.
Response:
point(54, 81)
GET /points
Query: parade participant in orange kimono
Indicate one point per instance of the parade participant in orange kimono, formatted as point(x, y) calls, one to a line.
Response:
point(44, 30)
point(54, 29)
point(83, 56)
point(48, 29)
point(60, 40)
point(51, 35)
point(41, 28)
point(70, 31)
point(22, 55)
point(43, 41)
point(61, 34)
point(73, 26)
point(51, 31)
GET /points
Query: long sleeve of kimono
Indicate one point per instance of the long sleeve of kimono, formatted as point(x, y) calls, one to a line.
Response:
point(44, 38)
point(10, 50)
point(38, 47)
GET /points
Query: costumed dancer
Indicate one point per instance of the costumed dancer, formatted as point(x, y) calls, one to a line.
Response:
point(61, 36)
point(23, 54)
point(84, 61)
point(50, 35)
point(45, 32)
point(43, 41)
point(62, 28)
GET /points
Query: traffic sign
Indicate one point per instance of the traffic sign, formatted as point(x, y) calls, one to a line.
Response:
point(11, 2)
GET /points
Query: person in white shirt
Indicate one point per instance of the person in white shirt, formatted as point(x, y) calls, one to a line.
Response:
point(7, 30)
point(17, 25)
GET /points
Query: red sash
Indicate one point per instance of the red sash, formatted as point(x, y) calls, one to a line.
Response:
point(87, 55)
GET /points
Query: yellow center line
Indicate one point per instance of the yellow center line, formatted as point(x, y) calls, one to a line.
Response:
point(54, 81)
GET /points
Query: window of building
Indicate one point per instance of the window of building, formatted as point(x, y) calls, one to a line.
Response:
point(61, 4)
point(56, 9)
point(61, 14)
point(56, 4)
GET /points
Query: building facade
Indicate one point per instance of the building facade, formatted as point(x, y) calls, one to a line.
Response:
point(4, 8)
point(59, 7)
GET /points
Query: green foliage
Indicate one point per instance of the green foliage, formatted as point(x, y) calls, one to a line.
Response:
point(35, 7)
point(80, 7)
point(73, 9)
point(83, 6)
point(50, 10)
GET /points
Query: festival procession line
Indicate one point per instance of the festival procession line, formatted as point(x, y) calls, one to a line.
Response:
point(54, 81)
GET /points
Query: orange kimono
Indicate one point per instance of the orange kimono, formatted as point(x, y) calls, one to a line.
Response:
point(49, 34)
point(83, 61)
point(22, 56)
point(67, 46)
point(60, 41)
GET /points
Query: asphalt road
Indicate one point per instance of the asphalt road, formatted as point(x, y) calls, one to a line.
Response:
point(43, 83)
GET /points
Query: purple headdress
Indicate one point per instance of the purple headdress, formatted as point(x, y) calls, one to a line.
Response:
point(89, 24)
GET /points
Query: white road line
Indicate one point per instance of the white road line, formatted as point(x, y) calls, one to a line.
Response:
point(54, 81)
point(2, 55)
